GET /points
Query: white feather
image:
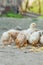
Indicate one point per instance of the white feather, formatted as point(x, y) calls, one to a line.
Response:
point(34, 38)
point(5, 36)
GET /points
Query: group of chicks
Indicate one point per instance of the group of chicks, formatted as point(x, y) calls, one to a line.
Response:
point(30, 36)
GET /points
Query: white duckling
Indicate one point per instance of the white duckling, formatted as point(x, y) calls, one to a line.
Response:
point(13, 33)
point(31, 30)
point(6, 39)
point(21, 39)
point(34, 38)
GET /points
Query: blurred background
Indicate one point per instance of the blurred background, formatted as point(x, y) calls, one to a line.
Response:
point(11, 7)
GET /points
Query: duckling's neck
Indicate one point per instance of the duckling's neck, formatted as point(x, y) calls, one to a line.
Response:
point(32, 28)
